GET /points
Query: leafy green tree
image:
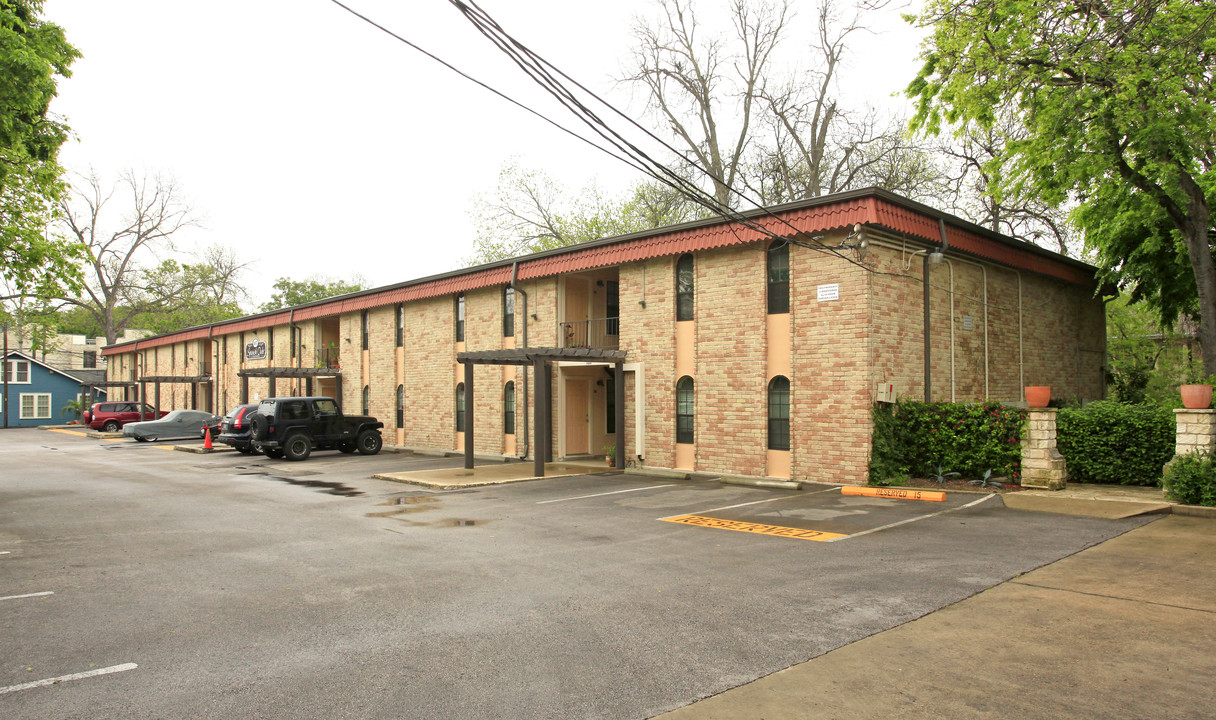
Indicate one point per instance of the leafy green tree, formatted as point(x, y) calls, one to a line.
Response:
point(33, 55)
point(289, 293)
point(1118, 100)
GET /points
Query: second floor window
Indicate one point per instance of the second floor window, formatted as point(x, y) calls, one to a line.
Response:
point(367, 321)
point(90, 358)
point(684, 288)
point(19, 371)
point(401, 325)
point(778, 272)
point(460, 317)
point(508, 312)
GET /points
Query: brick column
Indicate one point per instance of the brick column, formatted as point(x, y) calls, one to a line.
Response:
point(1196, 432)
point(1043, 466)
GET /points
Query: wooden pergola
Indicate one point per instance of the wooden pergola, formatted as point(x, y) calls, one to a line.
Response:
point(306, 374)
point(542, 359)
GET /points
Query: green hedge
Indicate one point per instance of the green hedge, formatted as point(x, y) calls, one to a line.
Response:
point(912, 438)
point(1192, 480)
point(1112, 442)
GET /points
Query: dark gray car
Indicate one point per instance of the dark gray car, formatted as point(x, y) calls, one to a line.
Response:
point(177, 424)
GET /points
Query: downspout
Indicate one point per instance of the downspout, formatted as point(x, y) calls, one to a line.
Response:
point(933, 257)
point(215, 371)
point(295, 348)
point(516, 287)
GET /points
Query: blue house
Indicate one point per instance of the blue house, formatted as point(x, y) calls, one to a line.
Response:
point(37, 392)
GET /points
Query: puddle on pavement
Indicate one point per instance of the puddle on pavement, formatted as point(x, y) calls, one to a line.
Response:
point(403, 505)
point(329, 488)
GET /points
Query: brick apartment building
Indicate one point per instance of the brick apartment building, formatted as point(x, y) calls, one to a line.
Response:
point(742, 354)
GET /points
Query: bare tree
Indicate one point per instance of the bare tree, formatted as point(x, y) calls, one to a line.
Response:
point(970, 162)
point(688, 78)
point(121, 282)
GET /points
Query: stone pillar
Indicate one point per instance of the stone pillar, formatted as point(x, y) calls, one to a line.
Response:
point(1043, 466)
point(1196, 433)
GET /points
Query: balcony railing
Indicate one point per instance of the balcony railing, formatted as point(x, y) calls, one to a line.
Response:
point(329, 358)
point(600, 333)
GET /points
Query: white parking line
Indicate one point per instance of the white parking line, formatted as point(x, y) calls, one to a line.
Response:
point(5, 552)
point(912, 520)
point(754, 502)
point(614, 492)
point(65, 678)
point(18, 597)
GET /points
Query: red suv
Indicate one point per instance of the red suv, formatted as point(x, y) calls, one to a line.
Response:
point(111, 416)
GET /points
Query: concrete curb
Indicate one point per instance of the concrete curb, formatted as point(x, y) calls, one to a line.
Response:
point(759, 482)
point(659, 473)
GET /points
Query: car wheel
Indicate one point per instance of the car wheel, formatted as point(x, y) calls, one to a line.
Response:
point(297, 447)
point(110, 426)
point(347, 446)
point(140, 438)
point(369, 442)
point(273, 453)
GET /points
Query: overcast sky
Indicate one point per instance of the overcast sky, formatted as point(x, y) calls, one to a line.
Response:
point(310, 142)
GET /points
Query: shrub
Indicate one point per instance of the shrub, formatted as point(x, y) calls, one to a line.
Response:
point(1191, 479)
point(1111, 442)
point(914, 437)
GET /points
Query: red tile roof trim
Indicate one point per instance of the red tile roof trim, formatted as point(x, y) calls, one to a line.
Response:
point(873, 210)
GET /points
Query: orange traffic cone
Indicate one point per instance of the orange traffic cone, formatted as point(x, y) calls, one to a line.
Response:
point(206, 438)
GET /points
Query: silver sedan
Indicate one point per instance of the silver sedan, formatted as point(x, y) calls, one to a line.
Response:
point(177, 424)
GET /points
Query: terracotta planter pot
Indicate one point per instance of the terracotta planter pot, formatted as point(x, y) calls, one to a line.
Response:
point(1196, 397)
point(1037, 396)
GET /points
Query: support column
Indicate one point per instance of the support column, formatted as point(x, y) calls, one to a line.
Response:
point(548, 408)
point(244, 390)
point(468, 416)
point(618, 388)
point(1043, 466)
point(539, 426)
point(1196, 433)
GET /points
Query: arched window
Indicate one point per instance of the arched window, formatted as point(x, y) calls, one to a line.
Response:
point(684, 288)
point(400, 406)
point(460, 407)
point(779, 413)
point(685, 410)
point(367, 399)
point(508, 409)
point(778, 272)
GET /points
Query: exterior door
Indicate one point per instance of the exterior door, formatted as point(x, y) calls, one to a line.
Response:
point(575, 330)
point(578, 416)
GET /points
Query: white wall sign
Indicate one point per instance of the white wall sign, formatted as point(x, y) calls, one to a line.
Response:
point(968, 322)
point(829, 292)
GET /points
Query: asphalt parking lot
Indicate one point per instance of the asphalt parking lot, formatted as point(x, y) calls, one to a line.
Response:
point(138, 582)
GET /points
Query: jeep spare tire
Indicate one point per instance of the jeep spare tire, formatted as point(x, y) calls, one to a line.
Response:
point(259, 426)
point(369, 442)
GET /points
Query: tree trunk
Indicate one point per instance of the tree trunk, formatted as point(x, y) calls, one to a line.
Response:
point(1196, 237)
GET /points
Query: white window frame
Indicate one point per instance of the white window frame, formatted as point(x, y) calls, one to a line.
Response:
point(14, 372)
point(35, 400)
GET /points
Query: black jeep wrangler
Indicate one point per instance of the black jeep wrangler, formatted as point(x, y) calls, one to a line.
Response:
point(293, 427)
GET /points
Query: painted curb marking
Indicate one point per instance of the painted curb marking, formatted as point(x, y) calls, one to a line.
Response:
point(755, 528)
point(28, 595)
point(895, 493)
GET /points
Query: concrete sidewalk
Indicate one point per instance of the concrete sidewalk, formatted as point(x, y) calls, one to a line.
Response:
point(1125, 629)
